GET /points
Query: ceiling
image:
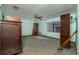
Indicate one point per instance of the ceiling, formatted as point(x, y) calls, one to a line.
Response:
point(28, 11)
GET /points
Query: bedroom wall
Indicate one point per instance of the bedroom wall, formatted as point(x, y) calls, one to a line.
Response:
point(27, 27)
point(0, 13)
point(42, 24)
point(73, 27)
point(27, 24)
point(43, 28)
point(78, 29)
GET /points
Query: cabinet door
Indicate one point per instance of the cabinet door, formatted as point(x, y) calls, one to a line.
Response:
point(11, 38)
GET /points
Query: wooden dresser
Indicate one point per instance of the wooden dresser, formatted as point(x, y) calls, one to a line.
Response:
point(10, 37)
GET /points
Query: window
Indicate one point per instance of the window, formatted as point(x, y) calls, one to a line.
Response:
point(50, 27)
point(53, 26)
point(56, 26)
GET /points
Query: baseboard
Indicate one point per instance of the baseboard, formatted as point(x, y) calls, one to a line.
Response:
point(26, 35)
point(49, 37)
point(41, 35)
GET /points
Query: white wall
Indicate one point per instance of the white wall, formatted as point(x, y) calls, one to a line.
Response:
point(78, 29)
point(27, 27)
point(43, 28)
point(0, 13)
point(73, 27)
point(27, 24)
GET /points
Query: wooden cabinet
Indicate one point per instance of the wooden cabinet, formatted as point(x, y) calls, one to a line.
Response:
point(10, 37)
point(0, 37)
point(65, 29)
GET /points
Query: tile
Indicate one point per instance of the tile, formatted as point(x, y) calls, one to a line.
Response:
point(43, 46)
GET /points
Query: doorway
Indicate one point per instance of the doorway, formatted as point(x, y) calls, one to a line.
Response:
point(35, 29)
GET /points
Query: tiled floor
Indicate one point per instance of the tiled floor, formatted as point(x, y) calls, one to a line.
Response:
point(43, 46)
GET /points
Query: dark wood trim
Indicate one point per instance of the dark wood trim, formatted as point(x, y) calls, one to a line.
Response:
point(4, 20)
point(26, 35)
point(21, 48)
point(42, 36)
point(49, 37)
